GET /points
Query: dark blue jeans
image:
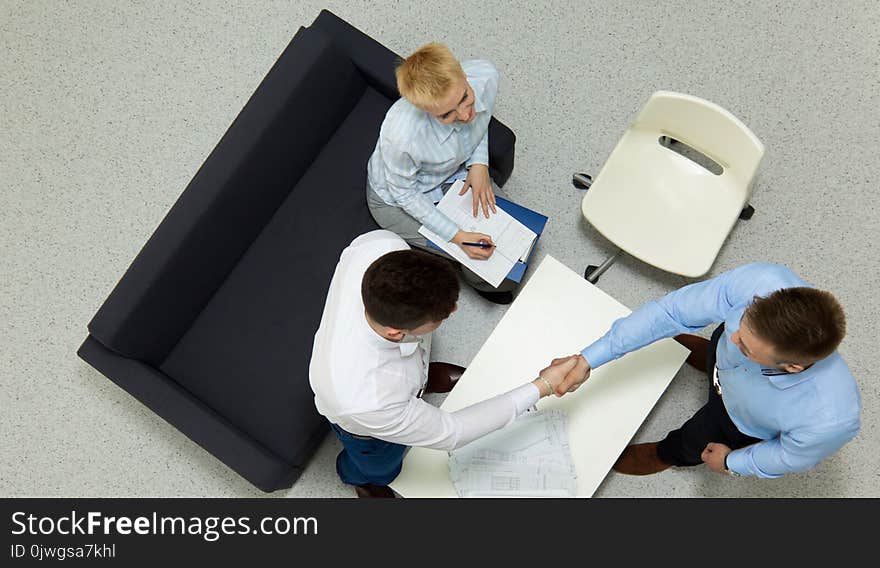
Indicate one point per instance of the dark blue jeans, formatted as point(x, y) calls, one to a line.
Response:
point(367, 460)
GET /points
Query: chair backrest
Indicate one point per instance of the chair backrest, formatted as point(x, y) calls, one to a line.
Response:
point(707, 128)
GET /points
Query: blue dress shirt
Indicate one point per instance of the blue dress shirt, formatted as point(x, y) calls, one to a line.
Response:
point(801, 417)
point(416, 152)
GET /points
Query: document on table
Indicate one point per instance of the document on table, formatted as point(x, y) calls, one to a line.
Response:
point(512, 239)
point(528, 458)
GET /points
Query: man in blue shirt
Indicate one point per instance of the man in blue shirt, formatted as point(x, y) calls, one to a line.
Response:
point(781, 398)
point(436, 134)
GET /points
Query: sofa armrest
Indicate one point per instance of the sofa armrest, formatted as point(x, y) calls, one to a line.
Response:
point(210, 430)
point(502, 145)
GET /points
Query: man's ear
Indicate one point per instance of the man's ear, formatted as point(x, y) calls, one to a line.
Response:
point(394, 333)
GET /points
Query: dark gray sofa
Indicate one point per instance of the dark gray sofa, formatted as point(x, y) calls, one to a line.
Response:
point(211, 326)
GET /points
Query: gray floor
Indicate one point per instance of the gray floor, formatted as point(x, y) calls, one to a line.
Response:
point(107, 110)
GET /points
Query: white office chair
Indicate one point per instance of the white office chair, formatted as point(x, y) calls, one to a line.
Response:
point(657, 199)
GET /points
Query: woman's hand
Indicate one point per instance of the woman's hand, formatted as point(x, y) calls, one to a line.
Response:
point(475, 252)
point(478, 180)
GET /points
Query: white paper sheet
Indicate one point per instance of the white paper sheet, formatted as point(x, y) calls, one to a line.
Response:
point(512, 239)
point(529, 458)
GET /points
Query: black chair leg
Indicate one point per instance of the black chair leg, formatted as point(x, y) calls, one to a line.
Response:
point(593, 272)
point(747, 213)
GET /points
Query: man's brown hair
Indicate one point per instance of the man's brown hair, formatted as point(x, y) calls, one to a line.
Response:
point(408, 288)
point(803, 324)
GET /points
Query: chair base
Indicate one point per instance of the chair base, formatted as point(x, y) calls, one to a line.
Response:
point(593, 272)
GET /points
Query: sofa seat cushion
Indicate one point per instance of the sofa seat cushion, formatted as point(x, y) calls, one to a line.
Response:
point(247, 353)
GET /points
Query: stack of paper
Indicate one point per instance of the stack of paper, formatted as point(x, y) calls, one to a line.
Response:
point(529, 458)
point(513, 240)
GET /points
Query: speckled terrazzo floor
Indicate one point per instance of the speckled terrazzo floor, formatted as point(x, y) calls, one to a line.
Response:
point(107, 110)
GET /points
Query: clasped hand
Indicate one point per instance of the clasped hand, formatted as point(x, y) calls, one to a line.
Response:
point(555, 374)
point(577, 372)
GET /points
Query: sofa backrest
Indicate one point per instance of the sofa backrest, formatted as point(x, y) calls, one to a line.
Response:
point(309, 91)
point(375, 61)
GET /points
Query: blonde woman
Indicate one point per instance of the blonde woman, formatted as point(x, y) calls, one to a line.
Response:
point(437, 133)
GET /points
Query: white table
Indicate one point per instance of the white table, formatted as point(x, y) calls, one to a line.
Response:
point(557, 313)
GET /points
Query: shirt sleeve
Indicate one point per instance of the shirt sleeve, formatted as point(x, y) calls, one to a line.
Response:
point(481, 152)
point(401, 171)
point(685, 310)
point(488, 76)
point(798, 450)
point(417, 423)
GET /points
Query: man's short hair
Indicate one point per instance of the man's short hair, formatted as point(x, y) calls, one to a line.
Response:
point(408, 288)
point(803, 324)
point(426, 76)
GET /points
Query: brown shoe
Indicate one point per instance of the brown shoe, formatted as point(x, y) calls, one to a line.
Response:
point(443, 376)
point(698, 347)
point(640, 459)
point(371, 490)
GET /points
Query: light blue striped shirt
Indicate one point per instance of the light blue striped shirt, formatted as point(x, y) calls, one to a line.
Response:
point(801, 417)
point(416, 152)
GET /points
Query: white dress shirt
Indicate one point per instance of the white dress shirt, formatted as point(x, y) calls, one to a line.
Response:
point(370, 386)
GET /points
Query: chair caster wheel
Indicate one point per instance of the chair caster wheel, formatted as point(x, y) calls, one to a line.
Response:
point(589, 272)
point(747, 213)
point(582, 181)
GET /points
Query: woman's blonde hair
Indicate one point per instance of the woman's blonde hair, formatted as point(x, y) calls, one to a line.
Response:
point(427, 75)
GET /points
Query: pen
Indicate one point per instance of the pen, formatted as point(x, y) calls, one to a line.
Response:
point(481, 245)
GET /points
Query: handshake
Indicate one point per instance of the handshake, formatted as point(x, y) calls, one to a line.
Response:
point(563, 375)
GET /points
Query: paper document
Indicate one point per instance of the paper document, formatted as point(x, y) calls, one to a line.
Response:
point(529, 458)
point(512, 239)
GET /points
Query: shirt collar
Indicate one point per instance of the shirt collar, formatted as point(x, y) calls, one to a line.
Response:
point(374, 338)
point(406, 348)
point(787, 380)
point(479, 104)
point(779, 379)
point(443, 131)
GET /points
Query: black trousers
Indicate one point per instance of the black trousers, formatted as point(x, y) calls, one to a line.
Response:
point(711, 423)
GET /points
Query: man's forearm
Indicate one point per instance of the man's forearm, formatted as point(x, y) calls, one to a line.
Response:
point(495, 413)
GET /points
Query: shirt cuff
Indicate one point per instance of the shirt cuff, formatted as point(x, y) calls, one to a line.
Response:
point(525, 397)
point(597, 354)
point(736, 462)
point(480, 156)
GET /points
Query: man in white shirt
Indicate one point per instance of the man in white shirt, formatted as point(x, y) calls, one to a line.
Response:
point(370, 367)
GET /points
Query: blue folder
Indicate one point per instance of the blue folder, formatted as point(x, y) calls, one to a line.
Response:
point(531, 219)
